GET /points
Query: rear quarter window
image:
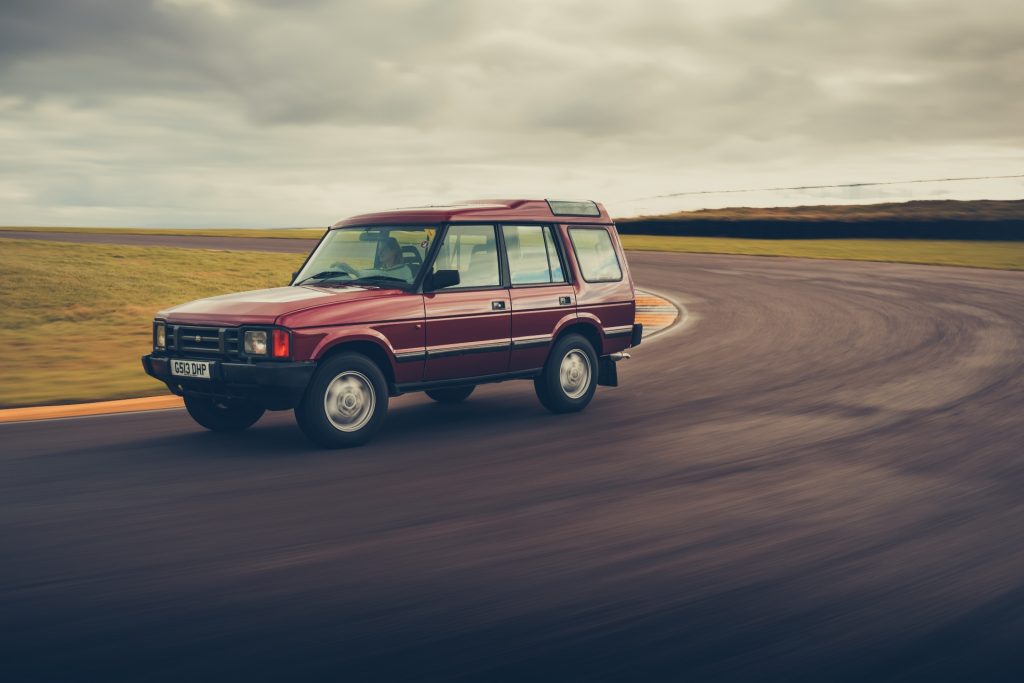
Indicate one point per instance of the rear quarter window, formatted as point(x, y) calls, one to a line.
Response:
point(595, 254)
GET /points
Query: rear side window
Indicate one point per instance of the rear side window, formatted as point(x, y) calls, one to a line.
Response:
point(532, 257)
point(595, 254)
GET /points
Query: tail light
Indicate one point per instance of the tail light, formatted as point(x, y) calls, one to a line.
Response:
point(282, 344)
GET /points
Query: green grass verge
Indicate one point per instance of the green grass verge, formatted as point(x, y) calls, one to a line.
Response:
point(1002, 255)
point(77, 317)
point(282, 233)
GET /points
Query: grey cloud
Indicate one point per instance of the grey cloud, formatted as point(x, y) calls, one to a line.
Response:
point(142, 98)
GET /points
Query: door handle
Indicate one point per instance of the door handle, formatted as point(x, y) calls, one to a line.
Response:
point(497, 305)
point(565, 301)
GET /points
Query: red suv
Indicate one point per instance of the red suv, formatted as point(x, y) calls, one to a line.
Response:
point(436, 299)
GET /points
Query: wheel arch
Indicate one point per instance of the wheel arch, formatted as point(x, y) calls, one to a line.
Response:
point(372, 349)
point(584, 328)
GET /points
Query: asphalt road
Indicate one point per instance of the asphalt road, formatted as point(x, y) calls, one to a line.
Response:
point(817, 477)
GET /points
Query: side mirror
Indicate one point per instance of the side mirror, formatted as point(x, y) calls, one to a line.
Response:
point(443, 278)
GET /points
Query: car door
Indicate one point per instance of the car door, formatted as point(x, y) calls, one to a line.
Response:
point(604, 292)
point(541, 295)
point(468, 325)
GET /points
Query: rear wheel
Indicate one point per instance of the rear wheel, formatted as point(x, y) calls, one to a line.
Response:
point(223, 415)
point(451, 395)
point(569, 379)
point(345, 403)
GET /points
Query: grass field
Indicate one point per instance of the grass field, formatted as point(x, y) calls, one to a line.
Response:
point(77, 317)
point(281, 233)
point(1001, 255)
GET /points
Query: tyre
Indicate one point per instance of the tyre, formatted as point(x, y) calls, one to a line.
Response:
point(345, 402)
point(223, 415)
point(451, 395)
point(569, 379)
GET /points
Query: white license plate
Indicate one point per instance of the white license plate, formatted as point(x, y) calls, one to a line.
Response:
point(190, 368)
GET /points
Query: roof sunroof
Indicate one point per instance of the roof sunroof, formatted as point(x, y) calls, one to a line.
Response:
point(569, 208)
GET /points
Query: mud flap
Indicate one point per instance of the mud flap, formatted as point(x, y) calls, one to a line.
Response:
point(607, 372)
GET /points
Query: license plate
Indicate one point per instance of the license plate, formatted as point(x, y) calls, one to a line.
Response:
point(190, 368)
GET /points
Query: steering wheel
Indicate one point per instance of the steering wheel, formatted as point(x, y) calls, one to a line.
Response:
point(341, 265)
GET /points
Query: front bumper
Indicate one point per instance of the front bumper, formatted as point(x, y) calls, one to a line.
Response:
point(276, 385)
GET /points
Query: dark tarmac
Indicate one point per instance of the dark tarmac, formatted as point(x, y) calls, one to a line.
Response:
point(817, 476)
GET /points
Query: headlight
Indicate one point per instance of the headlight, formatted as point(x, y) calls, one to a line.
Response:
point(256, 342)
point(160, 336)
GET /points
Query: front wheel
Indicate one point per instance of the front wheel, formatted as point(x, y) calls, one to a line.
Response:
point(223, 415)
point(569, 379)
point(345, 403)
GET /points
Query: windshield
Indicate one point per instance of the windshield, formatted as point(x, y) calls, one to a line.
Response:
point(382, 256)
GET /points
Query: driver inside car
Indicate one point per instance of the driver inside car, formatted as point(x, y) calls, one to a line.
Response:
point(391, 263)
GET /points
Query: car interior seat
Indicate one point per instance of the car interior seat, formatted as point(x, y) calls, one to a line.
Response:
point(482, 268)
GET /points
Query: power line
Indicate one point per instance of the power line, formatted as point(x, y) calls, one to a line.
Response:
point(823, 187)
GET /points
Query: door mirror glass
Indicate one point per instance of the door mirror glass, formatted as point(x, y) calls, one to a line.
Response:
point(444, 278)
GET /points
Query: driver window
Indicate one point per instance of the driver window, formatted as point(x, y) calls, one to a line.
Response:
point(471, 250)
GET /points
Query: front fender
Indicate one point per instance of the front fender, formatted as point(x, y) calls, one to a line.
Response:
point(342, 335)
point(399, 345)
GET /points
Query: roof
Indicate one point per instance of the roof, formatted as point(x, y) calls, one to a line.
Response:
point(488, 210)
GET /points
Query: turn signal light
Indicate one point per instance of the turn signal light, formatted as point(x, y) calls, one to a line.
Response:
point(282, 344)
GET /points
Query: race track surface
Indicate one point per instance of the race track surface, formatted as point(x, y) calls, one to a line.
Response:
point(817, 476)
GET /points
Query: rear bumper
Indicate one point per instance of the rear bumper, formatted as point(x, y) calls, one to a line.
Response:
point(638, 334)
point(275, 385)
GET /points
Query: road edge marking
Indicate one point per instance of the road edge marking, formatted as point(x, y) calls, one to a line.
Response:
point(680, 320)
point(124, 405)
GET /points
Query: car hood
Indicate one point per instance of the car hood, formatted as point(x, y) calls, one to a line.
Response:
point(265, 306)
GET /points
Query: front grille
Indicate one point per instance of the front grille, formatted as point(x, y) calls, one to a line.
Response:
point(193, 341)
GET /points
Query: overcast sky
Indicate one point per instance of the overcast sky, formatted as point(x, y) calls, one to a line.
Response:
point(262, 113)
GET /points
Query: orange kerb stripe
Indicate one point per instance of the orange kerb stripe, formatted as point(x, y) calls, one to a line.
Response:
point(127, 405)
point(654, 320)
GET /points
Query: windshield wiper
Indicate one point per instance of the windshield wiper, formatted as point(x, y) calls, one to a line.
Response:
point(324, 275)
point(377, 278)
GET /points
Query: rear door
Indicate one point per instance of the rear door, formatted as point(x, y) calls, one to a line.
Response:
point(604, 293)
point(540, 292)
point(468, 326)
